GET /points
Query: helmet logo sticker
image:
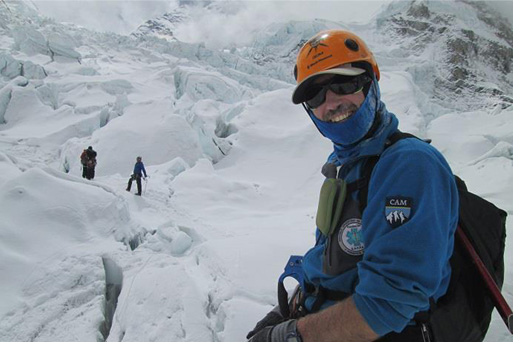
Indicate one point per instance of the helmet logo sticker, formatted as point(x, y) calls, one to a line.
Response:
point(315, 42)
point(350, 237)
point(397, 210)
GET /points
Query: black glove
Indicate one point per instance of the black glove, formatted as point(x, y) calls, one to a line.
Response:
point(271, 319)
point(283, 332)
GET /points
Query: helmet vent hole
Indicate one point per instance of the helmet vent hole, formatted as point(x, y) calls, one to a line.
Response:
point(351, 44)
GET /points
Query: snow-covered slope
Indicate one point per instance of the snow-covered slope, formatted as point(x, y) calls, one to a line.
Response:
point(234, 166)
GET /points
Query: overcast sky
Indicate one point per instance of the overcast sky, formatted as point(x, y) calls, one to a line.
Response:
point(124, 16)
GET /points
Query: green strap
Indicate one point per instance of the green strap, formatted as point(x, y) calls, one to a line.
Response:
point(331, 202)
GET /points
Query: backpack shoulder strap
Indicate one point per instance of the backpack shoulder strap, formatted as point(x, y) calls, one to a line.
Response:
point(363, 183)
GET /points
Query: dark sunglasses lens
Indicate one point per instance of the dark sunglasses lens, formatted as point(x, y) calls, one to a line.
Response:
point(340, 85)
point(318, 95)
point(345, 88)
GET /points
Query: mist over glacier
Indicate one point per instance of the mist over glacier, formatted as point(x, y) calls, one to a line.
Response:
point(234, 166)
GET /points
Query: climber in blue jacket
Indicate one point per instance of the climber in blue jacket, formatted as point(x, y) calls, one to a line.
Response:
point(381, 260)
point(137, 175)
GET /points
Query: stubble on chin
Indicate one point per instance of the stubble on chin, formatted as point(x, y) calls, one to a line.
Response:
point(344, 108)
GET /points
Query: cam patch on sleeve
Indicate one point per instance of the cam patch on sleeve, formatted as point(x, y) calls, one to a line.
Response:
point(397, 210)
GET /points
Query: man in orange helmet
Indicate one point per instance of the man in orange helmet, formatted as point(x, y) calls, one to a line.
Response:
point(385, 229)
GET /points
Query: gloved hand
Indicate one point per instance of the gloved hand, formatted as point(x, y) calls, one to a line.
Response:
point(271, 319)
point(283, 332)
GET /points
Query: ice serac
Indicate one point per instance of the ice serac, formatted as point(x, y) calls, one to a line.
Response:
point(32, 42)
point(162, 27)
point(113, 286)
point(199, 84)
point(276, 47)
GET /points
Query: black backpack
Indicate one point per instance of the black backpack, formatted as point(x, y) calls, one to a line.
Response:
point(463, 314)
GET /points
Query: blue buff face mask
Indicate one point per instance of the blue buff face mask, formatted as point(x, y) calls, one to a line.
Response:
point(356, 127)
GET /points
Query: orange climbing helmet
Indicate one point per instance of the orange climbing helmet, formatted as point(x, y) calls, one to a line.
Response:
point(331, 52)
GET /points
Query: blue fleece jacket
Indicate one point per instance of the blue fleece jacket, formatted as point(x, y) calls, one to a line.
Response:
point(402, 266)
point(139, 169)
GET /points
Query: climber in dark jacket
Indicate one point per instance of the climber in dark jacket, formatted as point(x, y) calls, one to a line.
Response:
point(139, 170)
point(88, 160)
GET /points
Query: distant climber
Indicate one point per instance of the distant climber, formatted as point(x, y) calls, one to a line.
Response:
point(88, 160)
point(137, 175)
point(83, 161)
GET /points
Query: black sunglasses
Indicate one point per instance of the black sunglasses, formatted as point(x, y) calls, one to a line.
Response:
point(339, 84)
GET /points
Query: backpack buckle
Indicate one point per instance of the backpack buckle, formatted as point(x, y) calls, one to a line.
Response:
point(425, 333)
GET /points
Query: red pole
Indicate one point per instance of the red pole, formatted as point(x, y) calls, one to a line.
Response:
point(500, 303)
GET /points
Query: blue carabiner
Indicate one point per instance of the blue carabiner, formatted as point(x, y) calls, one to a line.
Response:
point(294, 269)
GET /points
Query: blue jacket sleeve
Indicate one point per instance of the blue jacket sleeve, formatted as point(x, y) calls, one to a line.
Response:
point(405, 265)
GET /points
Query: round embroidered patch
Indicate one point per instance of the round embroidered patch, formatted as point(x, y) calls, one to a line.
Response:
point(350, 237)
